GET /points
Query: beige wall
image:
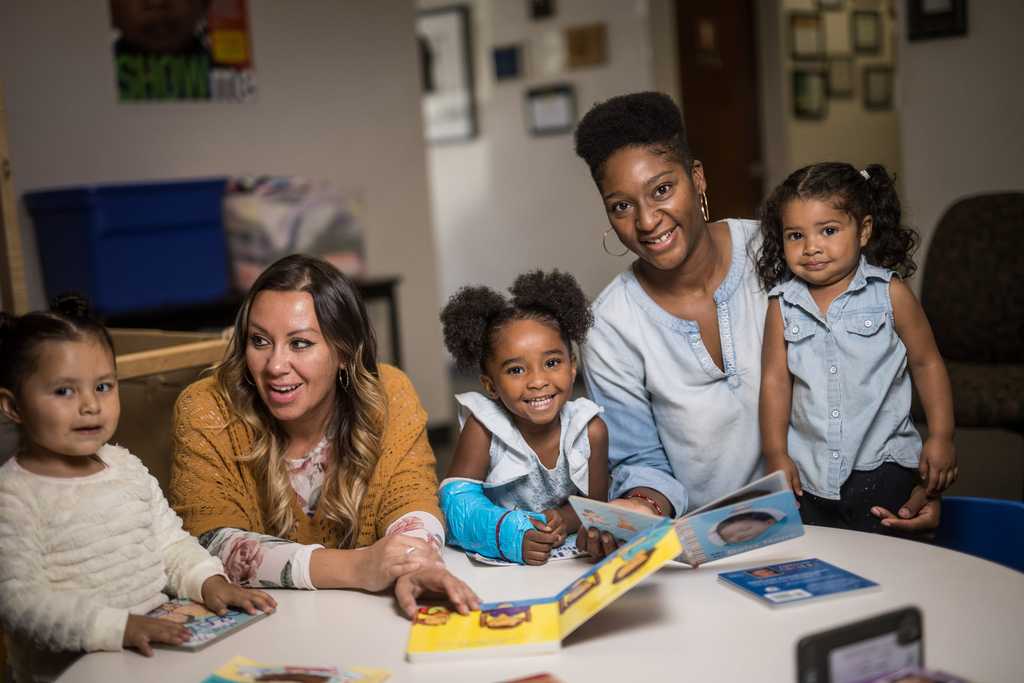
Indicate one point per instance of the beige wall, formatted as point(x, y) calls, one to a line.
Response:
point(849, 132)
point(962, 108)
point(338, 98)
point(508, 201)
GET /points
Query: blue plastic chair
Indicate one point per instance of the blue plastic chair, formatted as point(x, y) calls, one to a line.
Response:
point(984, 527)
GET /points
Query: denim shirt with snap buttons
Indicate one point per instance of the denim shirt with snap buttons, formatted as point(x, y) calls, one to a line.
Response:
point(851, 387)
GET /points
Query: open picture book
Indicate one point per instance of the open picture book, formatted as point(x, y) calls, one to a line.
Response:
point(757, 515)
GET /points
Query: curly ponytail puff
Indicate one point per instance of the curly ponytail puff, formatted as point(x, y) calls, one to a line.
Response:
point(466, 322)
point(71, 306)
point(558, 295)
point(892, 244)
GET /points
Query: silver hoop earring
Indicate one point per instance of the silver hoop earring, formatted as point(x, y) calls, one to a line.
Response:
point(604, 245)
point(704, 209)
point(343, 379)
point(245, 377)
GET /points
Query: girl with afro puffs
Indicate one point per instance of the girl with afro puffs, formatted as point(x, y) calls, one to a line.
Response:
point(525, 446)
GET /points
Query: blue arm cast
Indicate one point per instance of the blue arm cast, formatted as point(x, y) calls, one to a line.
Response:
point(473, 521)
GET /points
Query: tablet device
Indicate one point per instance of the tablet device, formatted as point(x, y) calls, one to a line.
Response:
point(864, 650)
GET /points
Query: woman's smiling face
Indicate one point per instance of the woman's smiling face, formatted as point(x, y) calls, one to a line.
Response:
point(652, 204)
point(293, 366)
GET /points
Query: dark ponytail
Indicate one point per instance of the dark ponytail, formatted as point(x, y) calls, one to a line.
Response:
point(69, 319)
point(871, 192)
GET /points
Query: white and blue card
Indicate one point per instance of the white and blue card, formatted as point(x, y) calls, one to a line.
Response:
point(797, 581)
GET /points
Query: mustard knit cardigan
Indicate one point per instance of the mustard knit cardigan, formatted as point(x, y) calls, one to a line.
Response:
point(211, 488)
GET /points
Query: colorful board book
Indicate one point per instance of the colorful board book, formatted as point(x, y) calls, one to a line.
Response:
point(204, 626)
point(244, 670)
point(788, 582)
point(759, 514)
point(566, 551)
point(539, 625)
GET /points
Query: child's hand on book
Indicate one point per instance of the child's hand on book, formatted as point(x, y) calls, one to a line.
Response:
point(558, 525)
point(938, 465)
point(537, 542)
point(785, 463)
point(219, 594)
point(140, 632)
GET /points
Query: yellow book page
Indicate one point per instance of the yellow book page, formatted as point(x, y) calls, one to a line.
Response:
point(438, 629)
point(593, 591)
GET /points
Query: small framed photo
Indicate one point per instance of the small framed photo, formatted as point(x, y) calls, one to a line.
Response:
point(810, 93)
point(508, 62)
point(878, 88)
point(586, 45)
point(541, 9)
point(806, 37)
point(840, 79)
point(867, 33)
point(927, 19)
point(551, 110)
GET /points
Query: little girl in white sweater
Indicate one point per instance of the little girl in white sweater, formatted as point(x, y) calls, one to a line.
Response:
point(88, 543)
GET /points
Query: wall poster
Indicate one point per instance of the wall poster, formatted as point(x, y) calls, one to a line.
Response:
point(182, 50)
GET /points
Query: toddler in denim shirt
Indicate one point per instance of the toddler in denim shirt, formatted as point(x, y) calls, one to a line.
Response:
point(841, 332)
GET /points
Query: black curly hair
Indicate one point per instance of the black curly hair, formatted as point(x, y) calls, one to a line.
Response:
point(643, 119)
point(891, 245)
point(475, 316)
point(69, 319)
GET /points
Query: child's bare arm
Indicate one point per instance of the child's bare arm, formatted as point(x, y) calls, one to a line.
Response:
point(472, 457)
point(776, 397)
point(597, 433)
point(928, 371)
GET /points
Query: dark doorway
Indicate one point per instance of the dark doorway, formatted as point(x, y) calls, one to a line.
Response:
point(718, 73)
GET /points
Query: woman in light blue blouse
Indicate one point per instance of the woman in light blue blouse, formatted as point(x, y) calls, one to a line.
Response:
point(674, 356)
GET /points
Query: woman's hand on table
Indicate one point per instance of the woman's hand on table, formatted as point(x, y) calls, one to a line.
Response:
point(434, 580)
point(919, 514)
point(392, 557)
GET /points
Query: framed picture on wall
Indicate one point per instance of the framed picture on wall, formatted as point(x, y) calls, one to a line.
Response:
point(878, 88)
point(840, 78)
point(446, 67)
point(936, 19)
point(551, 110)
point(806, 38)
point(831, 4)
point(867, 32)
point(810, 93)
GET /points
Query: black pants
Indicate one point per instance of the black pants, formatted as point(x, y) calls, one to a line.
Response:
point(888, 486)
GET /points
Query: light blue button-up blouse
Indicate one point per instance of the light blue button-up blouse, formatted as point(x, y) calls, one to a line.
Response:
point(676, 422)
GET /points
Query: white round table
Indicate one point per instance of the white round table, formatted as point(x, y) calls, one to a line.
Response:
point(680, 624)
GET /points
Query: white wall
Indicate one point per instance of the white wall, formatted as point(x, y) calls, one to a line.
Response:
point(507, 201)
point(962, 113)
point(338, 98)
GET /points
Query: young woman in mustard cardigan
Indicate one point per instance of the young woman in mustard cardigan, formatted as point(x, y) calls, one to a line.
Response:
point(302, 462)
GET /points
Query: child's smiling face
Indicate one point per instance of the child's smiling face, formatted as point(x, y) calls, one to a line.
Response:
point(822, 244)
point(530, 371)
point(652, 204)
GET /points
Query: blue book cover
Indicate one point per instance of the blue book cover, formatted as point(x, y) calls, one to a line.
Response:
point(787, 582)
point(204, 626)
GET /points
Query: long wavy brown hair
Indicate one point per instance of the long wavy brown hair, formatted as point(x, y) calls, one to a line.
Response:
point(359, 412)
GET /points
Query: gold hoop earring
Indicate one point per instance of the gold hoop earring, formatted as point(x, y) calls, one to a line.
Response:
point(604, 245)
point(704, 209)
point(343, 379)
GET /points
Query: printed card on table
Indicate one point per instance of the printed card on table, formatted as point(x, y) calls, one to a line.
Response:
point(244, 670)
point(788, 582)
point(204, 626)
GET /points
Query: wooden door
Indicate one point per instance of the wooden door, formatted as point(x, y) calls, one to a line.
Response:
point(718, 70)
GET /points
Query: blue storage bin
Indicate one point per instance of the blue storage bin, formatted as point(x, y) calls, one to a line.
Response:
point(133, 247)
